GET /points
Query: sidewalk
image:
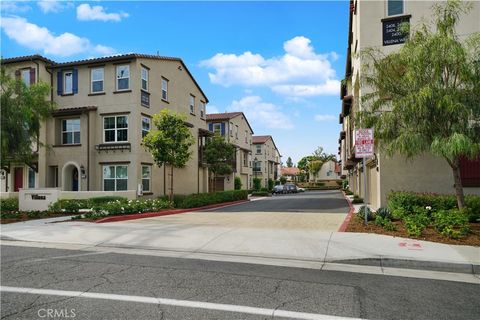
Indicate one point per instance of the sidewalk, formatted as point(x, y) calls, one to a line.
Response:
point(187, 238)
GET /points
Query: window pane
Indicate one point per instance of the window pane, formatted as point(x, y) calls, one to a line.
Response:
point(123, 84)
point(109, 172)
point(76, 137)
point(31, 178)
point(97, 86)
point(146, 184)
point(121, 184)
point(395, 7)
point(97, 74)
point(144, 84)
point(123, 72)
point(109, 123)
point(109, 184)
point(145, 123)
point(75, 124)
point(122, 172)
point(68, 82)
point(122, 135)
point(146, 171)
point(109, 135)
point(122, 122)
point(67, 138)
point(64, 125)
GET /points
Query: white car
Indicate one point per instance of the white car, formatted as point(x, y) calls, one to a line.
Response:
point(300, 189)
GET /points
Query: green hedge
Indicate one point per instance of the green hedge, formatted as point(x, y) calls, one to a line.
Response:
point(204, 199)
point(8, 205)
point(323, 188)
point(260, 194)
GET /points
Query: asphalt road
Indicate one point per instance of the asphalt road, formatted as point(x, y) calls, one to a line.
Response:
point(331, 201)
point(235, 285)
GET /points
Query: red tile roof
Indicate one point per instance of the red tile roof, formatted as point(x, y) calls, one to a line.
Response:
point(223, 116)
point(293, 171)
point(260, 139)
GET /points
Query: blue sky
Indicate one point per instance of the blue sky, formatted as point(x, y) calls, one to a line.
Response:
point(279, 62)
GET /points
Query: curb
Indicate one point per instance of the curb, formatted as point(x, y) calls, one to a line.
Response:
point(344, 225)
point(166, 212)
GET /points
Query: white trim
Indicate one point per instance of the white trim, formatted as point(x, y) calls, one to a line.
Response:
point(146, 79)
point(149, 125)
point(92, 81)
point(64, 75)
point(72, 132)
point(114, 129)
point(118, 78)
point(64, 168)
point(165, 81)
point(191, 103)
point(397, 14)
point(115, 176)
point(149, 166)
point(219, 125)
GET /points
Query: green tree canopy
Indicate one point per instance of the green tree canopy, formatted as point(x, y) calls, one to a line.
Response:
point(22, 111)
point(170, 141)
point(218, 155)
point(289, 162)
point(425, 95)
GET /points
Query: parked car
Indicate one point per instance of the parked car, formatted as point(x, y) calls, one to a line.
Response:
point(278, 189)
point(290, 188)
point(300, 189)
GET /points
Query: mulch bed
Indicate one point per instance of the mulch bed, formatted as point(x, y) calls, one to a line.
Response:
point(429, 234)
point(25, 217)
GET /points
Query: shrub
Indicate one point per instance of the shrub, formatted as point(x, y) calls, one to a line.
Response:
point(128, 207)
point(69, 205)
point(384, 213)
point(452, 223)
point(319, 184)
point(105, 199)
point(340, 183)
point(238, 183)
point(203, 199)
point(357, 199)
point(283, 180)
point(348, 192)
point(416, 223)
point(260, 194)
point(270, 184)
point(361, 213)
point(385, 223)
point(8, 205)
point(257, 184)
point(263, 190)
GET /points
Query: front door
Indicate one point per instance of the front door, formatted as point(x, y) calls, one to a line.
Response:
point(219, 184)
point(17, 179)
point(75, 179)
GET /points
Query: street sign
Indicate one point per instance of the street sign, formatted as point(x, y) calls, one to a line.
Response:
point(364, 143)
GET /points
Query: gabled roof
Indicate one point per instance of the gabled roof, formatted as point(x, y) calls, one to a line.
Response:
point(227, 116)
point(119, 57)
point(286, 171)
point(264, 139)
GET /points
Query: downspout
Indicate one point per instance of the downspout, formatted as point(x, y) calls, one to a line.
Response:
point(37, 79)
point(88, 150)
point(198, 165)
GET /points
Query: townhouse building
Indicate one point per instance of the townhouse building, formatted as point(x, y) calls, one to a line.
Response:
point(330, 171)
point(375, 24)
point(234, 127)
point(266, 161)
point(104, 109)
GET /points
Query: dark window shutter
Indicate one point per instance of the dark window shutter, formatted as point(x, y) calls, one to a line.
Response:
point(223, 128)
point(210, 127)
point(32, 76)
point(75, 81)
point(59, 83)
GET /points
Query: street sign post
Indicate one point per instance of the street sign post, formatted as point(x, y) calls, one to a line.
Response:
point(364, 148)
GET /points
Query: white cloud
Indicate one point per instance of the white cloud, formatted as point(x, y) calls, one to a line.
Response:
point(212, 109)
point(85, 12)
point(263, 113)
point(40, 38)
point(324, 117)
point(14, 6)
point(299, 71)
point(53, 6)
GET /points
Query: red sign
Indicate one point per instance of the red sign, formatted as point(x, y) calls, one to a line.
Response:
point(364, 143)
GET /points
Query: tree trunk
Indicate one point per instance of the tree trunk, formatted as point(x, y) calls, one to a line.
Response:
point(458, 184)
point(171, 183)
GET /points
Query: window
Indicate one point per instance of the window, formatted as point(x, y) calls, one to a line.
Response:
point(146, 177)
point(394, 7)
point(246, 136)
point(236, 132)
point(115, 129)
point(115, 178)
point(97, 80)
point(67, 82)
point(217, 128)
point(145, 79)
point(202, 109)
point(245, 159)
point(25, 73)
point(259, 149)
point(31, 178)
point(231, 129)
point(192, 104)
point(164, 89)
point(123, 77)
point(145, 126)
point(71, 131)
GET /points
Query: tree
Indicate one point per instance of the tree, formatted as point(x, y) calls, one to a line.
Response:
point(289, 162)
point(238, 183)
point(218, 155)
point(283, 180)
point(314, 167)
point(425, 96)
point(319, 157)
point(23, 109)
point(170, 142)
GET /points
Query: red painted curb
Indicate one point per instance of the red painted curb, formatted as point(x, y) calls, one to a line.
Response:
point(166, 212)
point(344, 225)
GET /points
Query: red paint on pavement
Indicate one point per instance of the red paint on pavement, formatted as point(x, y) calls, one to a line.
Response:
point(166, 212)
point(344, 225)
point(410, 245)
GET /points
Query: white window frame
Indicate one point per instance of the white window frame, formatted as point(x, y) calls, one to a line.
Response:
point(114, 176)
point(164, 89)
point(149, 178)
point(120, 78)
point(258, 149)
point(246, 136)
point(202, 109)
point(149, 125)
point(230, 127)
point(396, 14)
point(192, 104)
point(65, 89)
point(144, 76)
point(26, 72)
point(236, 132)
point(72, 132)
point(219, 126)
point(31, 172)
point(92, 80)
point(115, 129)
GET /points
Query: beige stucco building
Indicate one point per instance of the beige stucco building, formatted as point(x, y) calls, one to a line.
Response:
point(104, 108)
point(235, 128)
point(330, 171)
point(266, 159)
point(374, 24)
